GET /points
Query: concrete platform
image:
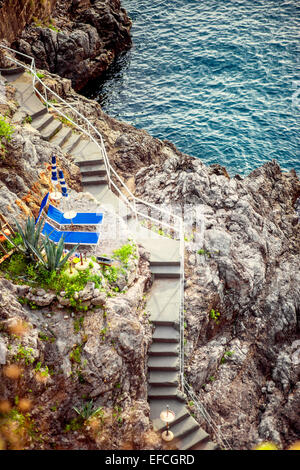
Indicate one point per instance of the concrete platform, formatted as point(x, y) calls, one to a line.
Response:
point(164, 302)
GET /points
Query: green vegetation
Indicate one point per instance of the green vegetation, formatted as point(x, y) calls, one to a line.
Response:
point(17, 239)
point(215, 315)
point(154, 228)
point(84, 414)
point(110, 273)
point(117, 414)
point(40, 75)
point(30, 237)
point(24, 354)
point(54, 254)
point(30, 303)
point(19, 429)
point(27, 120)
point(189, 238)
point(88, 411)
point(43, 370)
point(65, 120)
point(42, 264)
point(75, 354)
point(78, 322)
point(208, 254)
point(46, 338)
point(226, 355)
point(50, 24)
point(124, 253)
point(6, 131)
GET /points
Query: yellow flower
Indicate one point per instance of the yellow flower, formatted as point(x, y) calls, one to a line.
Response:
point(266, 446)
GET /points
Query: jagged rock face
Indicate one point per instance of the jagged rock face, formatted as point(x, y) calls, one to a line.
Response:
point(25, 173)
point(89, 37)
point(243, 363)
point(25, 165)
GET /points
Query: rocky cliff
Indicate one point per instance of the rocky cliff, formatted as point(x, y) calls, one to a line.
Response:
point(80, 40)
point(242, 295)
point(242, 267)
point(14, 16)
point(241, 291)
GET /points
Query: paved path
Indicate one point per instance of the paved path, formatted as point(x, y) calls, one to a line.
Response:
point(164, 302)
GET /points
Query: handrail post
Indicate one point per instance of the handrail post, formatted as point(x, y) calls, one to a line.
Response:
point(46, 97)
point(181, 235)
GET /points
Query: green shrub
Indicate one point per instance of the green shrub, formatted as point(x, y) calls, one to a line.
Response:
point(16, 265)
point(54, 260)
point(78, 322)
point(226, 355)
point(30, 237)
point(24, 354)
point(88, 411)
point(75, 355)
point(124, 253)
point(111, 273)
point(27, 120)
point(43, 370)
point(6, 131)
point(215, 315)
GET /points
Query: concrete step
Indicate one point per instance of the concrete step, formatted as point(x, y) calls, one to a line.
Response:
point(15, 70)
point(163, 363)
point(193, 439)
point(42, 121)
point(162, 250)
point(62, 136)
point(163, 378)
point(25, 94)
point(175, 404)
point(87, 150)
point(40, 112)
point(165, 334)
point(164, 302)
point(93, 170)
point(72, 142)
point(29, 101)
point(209, 445)
point(164, 349)
point(183, 428)
point(165, 393)
point(86, 163)
point(164, 263)
point(93, 180)
point(51, 129)
point(165, 271)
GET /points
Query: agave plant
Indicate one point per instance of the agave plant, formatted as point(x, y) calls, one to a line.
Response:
point(54, 260)
point(87, 410)
point(30, 237)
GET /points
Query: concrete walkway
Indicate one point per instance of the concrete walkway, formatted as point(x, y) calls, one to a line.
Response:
point(164, 302)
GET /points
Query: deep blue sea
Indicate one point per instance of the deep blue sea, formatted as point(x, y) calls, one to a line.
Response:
point(218, 78)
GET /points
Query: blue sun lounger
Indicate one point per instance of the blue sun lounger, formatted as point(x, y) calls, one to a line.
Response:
point(70, 238)
point(82, 218)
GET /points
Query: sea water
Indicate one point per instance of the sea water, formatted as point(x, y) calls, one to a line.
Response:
point(218, 78)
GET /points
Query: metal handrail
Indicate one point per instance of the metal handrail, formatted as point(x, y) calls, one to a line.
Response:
point(206, 416)
point(111, 171)
point(184, 386)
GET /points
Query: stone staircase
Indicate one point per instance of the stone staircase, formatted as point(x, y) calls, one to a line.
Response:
point(164, 302)
point(85, 153)
point(164, 355)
